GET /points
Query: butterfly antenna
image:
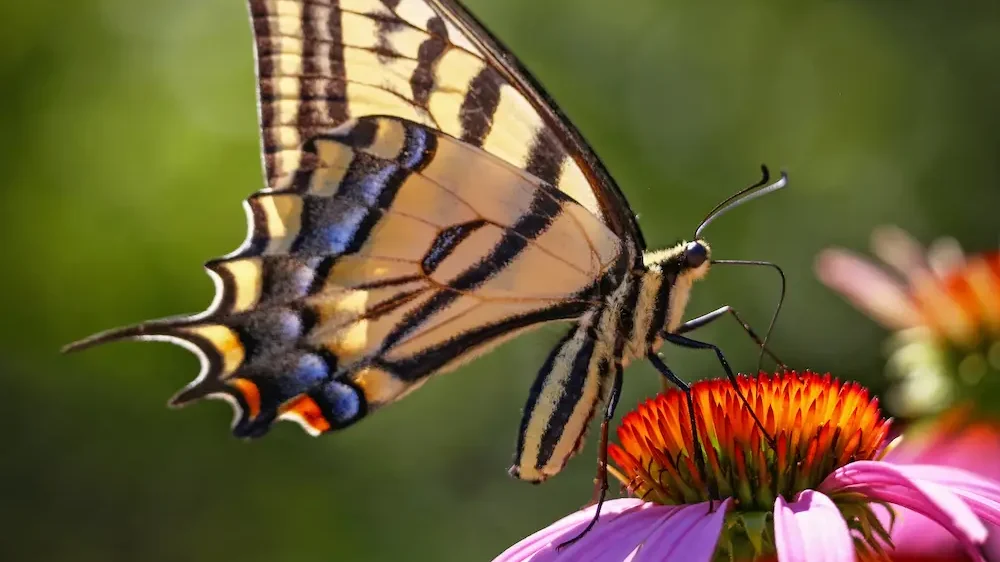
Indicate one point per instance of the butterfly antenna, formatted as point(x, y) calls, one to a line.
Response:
point(777, 308)
point(774, 316)
point(742, 196)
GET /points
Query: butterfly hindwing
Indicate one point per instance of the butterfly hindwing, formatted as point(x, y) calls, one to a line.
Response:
point(393, 253)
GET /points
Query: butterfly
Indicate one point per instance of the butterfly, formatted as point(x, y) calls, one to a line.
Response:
point(425, 201)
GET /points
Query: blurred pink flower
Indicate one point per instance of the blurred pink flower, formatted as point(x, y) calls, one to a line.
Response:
point(945, 308)
point(813, 496)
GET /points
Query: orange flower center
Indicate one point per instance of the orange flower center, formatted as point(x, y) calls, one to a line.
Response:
point(964, 305)
point(817, 425)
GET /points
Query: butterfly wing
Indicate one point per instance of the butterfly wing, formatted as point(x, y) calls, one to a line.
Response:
point(393, 252)
point(425, 201)
point(322, 62)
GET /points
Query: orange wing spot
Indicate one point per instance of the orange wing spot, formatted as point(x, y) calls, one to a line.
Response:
point(250, 393)
point(306, 411)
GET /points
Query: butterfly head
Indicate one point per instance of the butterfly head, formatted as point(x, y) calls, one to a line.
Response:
point(685, 260)
point(695, 258)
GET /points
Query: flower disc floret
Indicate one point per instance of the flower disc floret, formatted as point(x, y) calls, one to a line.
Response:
point(817, 424)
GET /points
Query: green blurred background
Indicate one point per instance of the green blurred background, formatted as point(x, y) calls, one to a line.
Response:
point(130, 138)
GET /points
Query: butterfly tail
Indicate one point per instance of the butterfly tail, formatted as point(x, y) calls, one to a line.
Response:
point(216, 347)
point(150, 330)
point(306, 393)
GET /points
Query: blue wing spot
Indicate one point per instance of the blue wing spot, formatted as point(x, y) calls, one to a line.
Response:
point(311, 369)
point(370, 186)
point(289, 324)
point(337, 236)
point(341, 403)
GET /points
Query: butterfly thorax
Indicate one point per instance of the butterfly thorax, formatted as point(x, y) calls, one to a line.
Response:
point(648, 302)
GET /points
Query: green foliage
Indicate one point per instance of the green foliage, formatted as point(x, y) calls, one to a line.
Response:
point(130, 138)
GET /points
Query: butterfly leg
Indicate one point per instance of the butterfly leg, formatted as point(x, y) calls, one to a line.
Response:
point(706, 319)
point(699, 457)
point(601, 480)
point(689, 343)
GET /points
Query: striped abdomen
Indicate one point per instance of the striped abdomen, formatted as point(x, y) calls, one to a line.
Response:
point(579, 373)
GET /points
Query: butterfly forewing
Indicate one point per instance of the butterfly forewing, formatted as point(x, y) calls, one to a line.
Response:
point(322, 62)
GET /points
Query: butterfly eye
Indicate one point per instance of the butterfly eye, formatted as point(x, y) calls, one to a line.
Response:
point(695, 254)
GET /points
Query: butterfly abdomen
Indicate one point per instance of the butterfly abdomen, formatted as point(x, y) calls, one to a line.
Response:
point(578, 375)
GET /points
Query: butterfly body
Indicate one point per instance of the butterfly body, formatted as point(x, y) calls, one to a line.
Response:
point(578, 376)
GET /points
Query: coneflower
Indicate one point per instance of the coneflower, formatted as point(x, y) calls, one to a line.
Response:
point(819, 492)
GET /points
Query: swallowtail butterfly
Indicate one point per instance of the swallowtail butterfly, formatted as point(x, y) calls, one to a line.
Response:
point(425, 201)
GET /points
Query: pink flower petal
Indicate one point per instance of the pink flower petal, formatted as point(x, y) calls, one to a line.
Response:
point(980, 494)
point(945, 256)
point(870, 289)
point(811, 528)
point(958, 478)
point(691, 534)
point(899, 250)
point(629, 530)
point(614, 541)
point(927, 509)
point(915, 537)
point(955, 443)
point(883, 481)
point(565, 529)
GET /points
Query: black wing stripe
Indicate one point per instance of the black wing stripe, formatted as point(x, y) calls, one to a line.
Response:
point(544, 209)
point(336, 112)
point(433, 359)
point(309, 37)
point(446, 243)
point(422, 81)
point(480, 105)
point(545, 160)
